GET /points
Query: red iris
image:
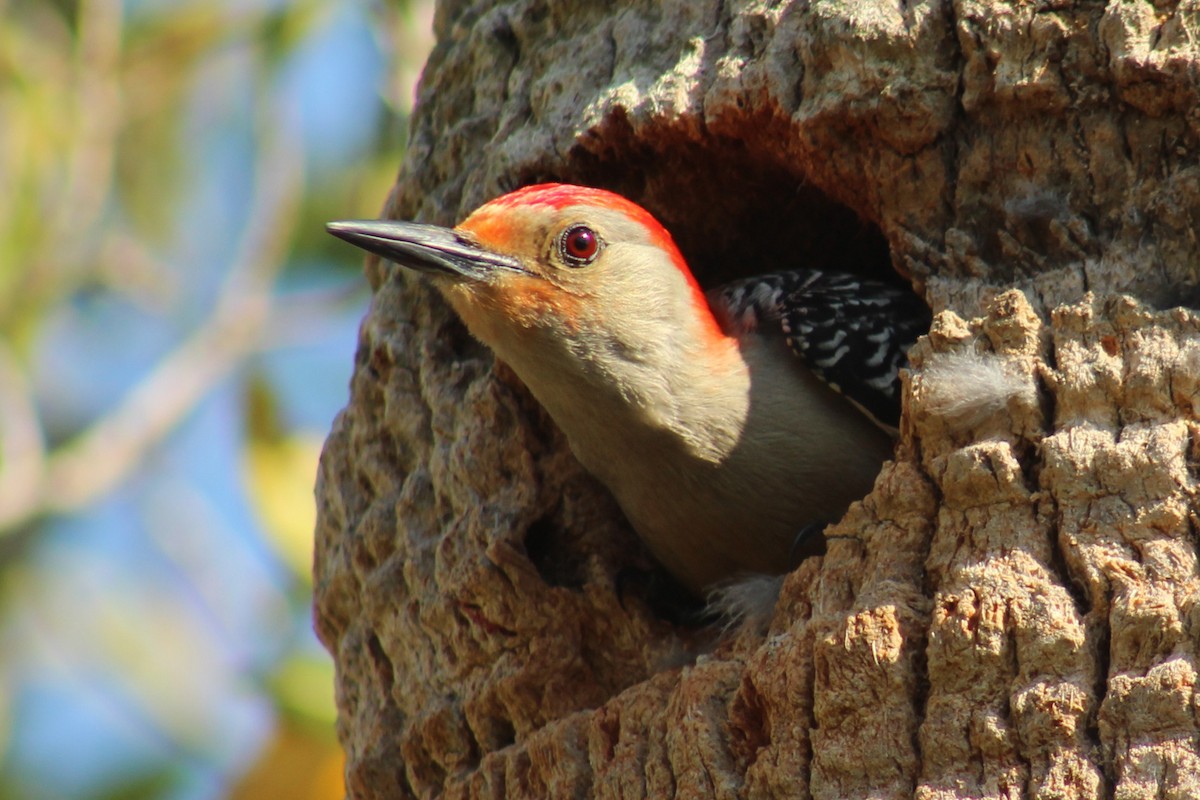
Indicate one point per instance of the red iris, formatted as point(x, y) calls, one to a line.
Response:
point(579, 245)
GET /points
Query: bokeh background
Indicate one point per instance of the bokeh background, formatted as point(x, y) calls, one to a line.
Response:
point(176, 336)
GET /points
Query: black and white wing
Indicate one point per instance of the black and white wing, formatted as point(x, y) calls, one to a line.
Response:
point(852, 332)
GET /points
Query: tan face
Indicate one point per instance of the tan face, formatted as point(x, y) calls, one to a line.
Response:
point(583, 266)
point(549, 287)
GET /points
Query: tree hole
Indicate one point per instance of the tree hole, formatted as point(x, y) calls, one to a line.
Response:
point(733, 211)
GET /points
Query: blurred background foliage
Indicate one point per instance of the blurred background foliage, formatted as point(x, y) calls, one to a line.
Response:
point(176, 335)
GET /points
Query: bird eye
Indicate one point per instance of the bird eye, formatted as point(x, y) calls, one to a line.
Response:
point(579, 245)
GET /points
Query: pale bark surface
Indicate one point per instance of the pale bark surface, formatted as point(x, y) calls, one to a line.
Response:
point(1010, 613)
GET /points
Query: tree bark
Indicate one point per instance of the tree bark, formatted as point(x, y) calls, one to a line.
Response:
point(1011, 612)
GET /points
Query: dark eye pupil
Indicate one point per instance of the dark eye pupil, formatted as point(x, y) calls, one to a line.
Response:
point(581, 243)
point(578, 245)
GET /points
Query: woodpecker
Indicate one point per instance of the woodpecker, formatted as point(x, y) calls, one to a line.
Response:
point(723, 423)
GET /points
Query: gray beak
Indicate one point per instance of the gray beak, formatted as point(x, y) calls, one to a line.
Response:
point(424, 248)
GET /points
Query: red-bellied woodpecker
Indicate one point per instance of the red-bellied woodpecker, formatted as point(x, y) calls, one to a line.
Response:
point(717, 441)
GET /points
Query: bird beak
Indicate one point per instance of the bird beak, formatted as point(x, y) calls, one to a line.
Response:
point(425, 248)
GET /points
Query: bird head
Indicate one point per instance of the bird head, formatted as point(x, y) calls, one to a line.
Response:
point(575, 262)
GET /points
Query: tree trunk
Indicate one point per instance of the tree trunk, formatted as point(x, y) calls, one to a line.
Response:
point(1011, 612)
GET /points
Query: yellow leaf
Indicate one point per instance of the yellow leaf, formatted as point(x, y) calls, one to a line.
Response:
point(280, 474)
point(296, 764)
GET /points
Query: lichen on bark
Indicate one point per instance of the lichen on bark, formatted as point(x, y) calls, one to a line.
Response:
point(1009, 613)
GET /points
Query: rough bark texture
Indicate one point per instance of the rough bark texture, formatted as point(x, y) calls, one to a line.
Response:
point(1010, 613)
